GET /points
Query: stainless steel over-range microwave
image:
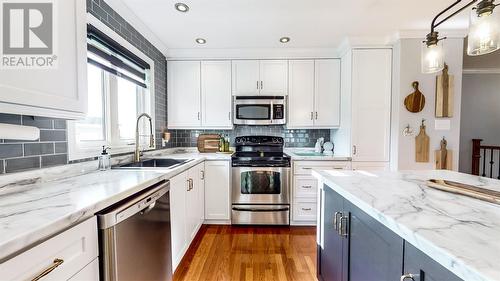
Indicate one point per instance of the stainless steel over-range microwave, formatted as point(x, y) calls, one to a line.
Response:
point(259, 110)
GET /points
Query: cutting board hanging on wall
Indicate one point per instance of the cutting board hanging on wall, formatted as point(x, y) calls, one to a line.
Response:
point(422, 145)
point(415, 101)
point(444, 157)
point(444, 94)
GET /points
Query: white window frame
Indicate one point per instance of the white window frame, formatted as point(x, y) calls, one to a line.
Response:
point(77, 151)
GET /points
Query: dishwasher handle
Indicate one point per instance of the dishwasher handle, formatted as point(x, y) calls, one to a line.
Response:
point(142, 203)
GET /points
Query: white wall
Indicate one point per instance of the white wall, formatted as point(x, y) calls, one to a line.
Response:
point(480, 114)
point(406, 70)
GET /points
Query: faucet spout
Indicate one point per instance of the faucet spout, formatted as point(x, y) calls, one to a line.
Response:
point(137, 152)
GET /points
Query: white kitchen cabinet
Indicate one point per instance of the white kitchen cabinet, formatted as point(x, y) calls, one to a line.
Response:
point(327, 93)
point(246, 77)
point(260, 77)
point(184, 102)
point(216, 98)
point(314, 94)
point(88, 273)
point(186, 210)
point(371, 104)
point(301, 94)
point(75, 248)
point(305, 188)
point(217, 192)
point(273, 77)
point(59, 92)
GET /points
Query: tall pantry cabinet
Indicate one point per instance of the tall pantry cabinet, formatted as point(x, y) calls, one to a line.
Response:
point(366, 91)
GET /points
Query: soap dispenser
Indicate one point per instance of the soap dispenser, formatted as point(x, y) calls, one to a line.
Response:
point(104, 159)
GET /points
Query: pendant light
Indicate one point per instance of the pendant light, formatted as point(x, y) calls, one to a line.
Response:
point(484, 34)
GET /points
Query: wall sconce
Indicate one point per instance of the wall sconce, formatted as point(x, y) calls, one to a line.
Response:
point(484, 34)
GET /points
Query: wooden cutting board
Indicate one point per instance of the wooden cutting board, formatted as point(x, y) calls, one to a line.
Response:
point(422, 145)
point(444, 157)
point(208, 143)
point(466, 190)
point(444, 94)
point(415, 101)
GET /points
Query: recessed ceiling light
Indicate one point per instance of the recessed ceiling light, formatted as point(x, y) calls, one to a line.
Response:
point(285, 39)
point(181, 7)
point(200, 41)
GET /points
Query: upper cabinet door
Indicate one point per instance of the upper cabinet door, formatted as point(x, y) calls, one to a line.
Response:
point(327, 93)
point(184, 110)
point(301, 95)
point(371, 104)
point(60, 91)
point(246, 80)
point(216, 94)
point(273, 77)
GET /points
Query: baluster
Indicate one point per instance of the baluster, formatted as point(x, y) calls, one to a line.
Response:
point(498, 164)
point(491, 163)
point(484, 163)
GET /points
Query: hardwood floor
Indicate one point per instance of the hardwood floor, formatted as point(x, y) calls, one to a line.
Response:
point(249, 254)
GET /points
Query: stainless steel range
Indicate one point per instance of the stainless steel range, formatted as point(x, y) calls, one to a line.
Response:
point(261, 181)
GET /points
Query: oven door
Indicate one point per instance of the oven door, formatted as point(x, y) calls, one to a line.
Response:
point(261, 185)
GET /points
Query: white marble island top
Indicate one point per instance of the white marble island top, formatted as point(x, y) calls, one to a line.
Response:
point(460, 233)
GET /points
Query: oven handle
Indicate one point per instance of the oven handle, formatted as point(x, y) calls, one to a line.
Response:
point(260, 210)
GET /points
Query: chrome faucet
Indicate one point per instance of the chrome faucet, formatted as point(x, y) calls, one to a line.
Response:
point(137, 153)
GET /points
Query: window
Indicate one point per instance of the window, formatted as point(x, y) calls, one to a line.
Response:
point(119, 90)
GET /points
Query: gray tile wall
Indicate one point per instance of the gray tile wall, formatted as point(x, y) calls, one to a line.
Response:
point(52, 147)
point(293, 138)
point(50, 150)
point(101, 10)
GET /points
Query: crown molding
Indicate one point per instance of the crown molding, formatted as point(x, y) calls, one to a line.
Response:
point(124, 11)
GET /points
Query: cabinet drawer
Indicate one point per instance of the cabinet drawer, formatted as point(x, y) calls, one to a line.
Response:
point(305, 187)
point(305, 167)
point(304, 212)
point(76, 247)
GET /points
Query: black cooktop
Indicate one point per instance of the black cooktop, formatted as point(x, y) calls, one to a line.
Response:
point(259, 151)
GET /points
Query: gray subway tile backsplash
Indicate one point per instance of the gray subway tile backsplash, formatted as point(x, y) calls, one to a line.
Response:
point(21, 164)
point(38, 148)
point(11, 150)
point(54, 160)
point(52, 135)
point(40, 122)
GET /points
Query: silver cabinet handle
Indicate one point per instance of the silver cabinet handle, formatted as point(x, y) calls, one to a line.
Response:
point(261, 85)
point(229, 116)
point(354, 150)
point(336, 217)
point(306, 209)
point(190, 184)
point(343, 226)
point(409, 276)
point(312, 115)
point(55, 264)
point(307, 186)
point(316, 115)
point(257, 85)
point(202, 175)
point(199, 115)
point(307, 168)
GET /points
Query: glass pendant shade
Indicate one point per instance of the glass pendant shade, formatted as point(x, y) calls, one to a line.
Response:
point(484, 33)
point(432, 57)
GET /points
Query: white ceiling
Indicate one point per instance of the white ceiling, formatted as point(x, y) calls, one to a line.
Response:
point(260, 23)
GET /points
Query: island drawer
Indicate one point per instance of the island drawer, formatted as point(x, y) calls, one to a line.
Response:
point(62, 256)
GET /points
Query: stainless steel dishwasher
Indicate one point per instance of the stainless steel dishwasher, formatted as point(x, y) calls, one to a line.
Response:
point(134, 237)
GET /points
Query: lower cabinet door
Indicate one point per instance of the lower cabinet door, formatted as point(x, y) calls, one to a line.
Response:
point(375, 252)
point(422, 268)
point(217, 190)
point(332, 254)
point(178, 217)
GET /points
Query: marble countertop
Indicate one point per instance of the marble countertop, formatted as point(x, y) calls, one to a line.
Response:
point(33, 208)
point(296, 154)
point(460, 233)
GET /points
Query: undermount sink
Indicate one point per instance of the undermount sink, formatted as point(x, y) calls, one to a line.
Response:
point(154, 163)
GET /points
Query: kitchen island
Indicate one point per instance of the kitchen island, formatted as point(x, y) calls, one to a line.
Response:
point(390, 225)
